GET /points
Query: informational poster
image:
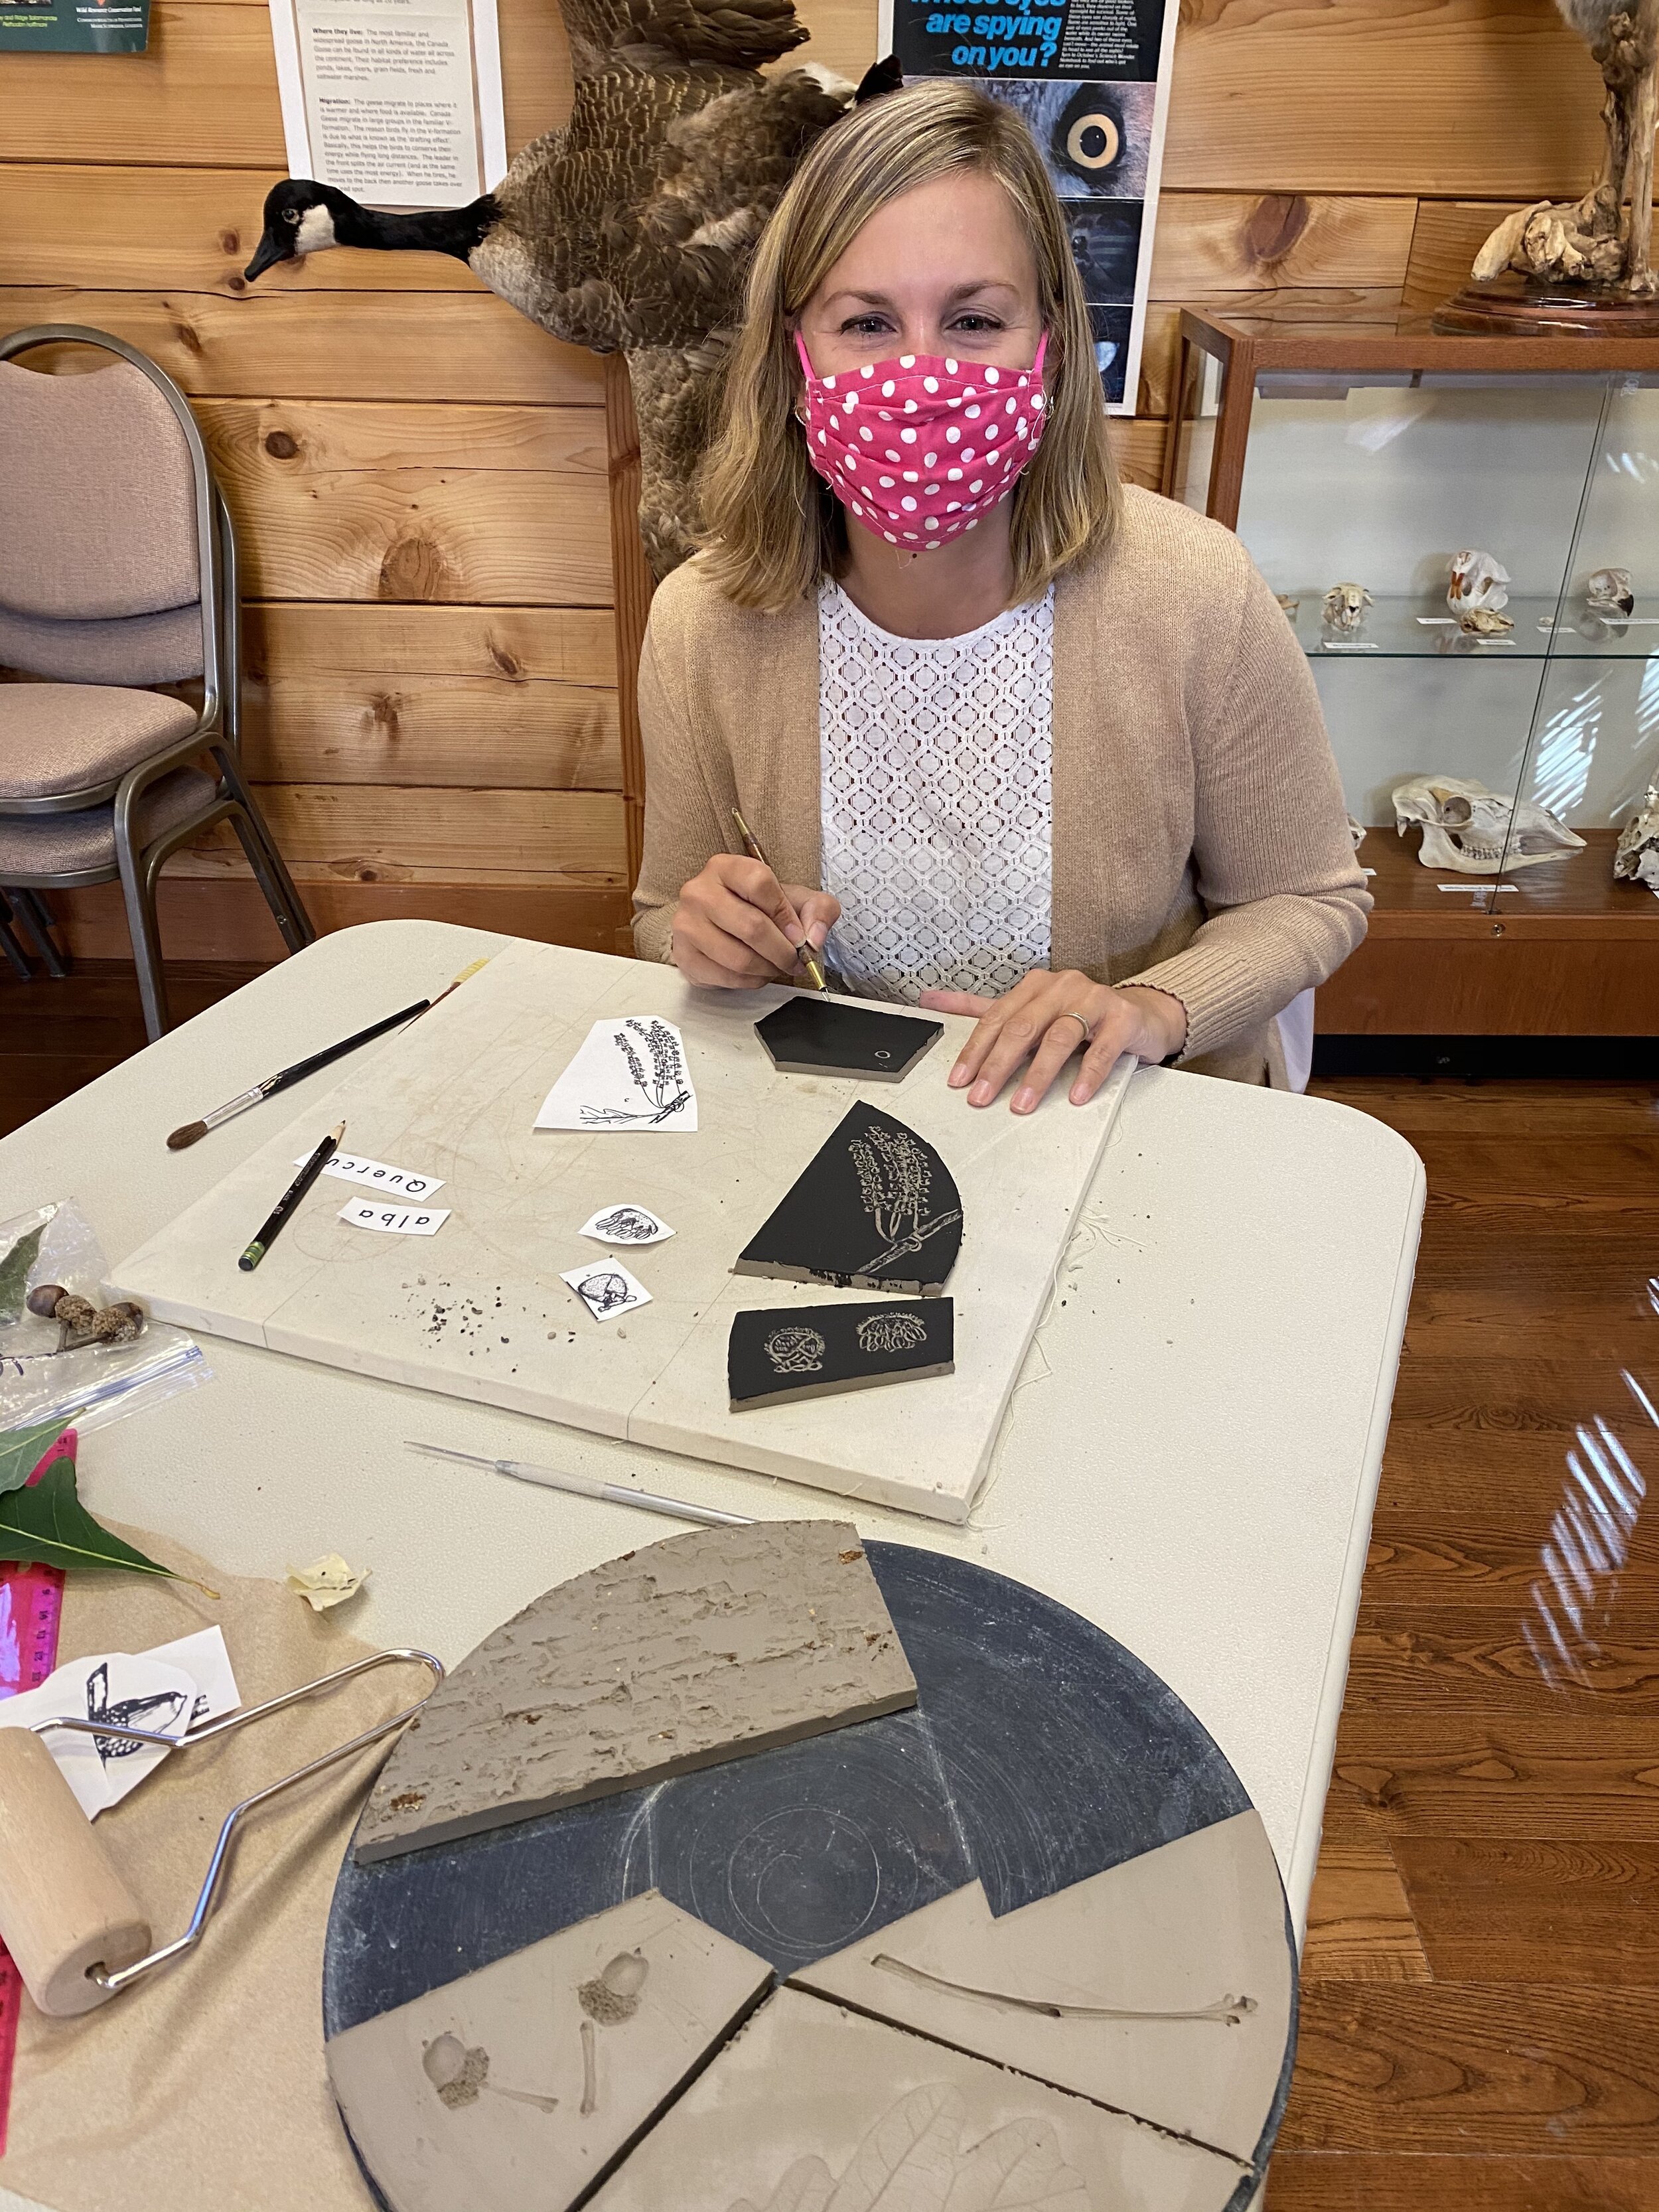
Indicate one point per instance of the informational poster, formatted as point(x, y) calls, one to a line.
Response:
point(74, 27)
point(398, 102)
point(1091, 78)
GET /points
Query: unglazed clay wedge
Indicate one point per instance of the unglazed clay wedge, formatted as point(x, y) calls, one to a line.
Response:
point(675, 1657)
point(513, 2088)
point(1188, 1944)
point(813, 2106)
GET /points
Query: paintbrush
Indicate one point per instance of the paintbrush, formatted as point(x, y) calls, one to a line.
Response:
point(281, 1212)
point(192, 1131)
point(586, 1485)
point(809, 959)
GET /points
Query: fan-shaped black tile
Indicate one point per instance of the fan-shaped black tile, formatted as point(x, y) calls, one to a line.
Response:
point(812, 1035)
point(779, 1353)
point(876, 1209)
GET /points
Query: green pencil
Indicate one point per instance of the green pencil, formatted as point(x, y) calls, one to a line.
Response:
point(290, 1199)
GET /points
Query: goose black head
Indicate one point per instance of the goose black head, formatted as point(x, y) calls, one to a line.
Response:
point(301, 218)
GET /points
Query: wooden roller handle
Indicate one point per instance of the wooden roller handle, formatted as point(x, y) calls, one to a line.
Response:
point(63, 1907)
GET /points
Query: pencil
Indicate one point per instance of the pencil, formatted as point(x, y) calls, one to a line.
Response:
point(290, 1199)
point(809, 959)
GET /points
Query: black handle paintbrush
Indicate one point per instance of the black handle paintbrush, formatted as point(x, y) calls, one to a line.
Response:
point(280, 1214)
point(192, 1131)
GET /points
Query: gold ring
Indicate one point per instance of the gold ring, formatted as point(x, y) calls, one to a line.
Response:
point(1088, 1033)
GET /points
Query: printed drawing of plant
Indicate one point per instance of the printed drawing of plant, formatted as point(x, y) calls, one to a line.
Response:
point(912, 2156)
point(603, 1294)
point(666, 1088)
point(627, 1225)
point(895, 1177)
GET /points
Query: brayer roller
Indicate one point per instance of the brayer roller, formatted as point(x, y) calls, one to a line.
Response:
point(71, 1924)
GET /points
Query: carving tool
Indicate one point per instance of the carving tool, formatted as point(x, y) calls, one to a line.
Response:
point(31, 1604)
point(192, 1132)
point(809, 959)
point(290, 1198)
point(587, 1486)
point(74, 1927)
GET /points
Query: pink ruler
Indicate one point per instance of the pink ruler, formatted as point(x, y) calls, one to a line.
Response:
point(31, 1606)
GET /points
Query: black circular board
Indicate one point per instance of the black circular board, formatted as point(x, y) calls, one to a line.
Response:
point(1039, 1752)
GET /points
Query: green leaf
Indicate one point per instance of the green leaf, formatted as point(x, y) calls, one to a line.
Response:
point(49, 1527)
point(15, 1274)
point(21, 1450)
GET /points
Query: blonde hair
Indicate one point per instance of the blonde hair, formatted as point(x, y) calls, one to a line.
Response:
point(772, 528)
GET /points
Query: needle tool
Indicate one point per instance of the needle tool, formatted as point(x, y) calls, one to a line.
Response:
point(809, 959)
point(586, 1485)
point(290, 1199)
point(193, 1131)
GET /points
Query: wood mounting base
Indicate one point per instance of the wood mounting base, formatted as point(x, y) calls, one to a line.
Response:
point(1513, 306)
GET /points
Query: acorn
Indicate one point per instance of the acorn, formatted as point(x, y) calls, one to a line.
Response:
point(43, 1299)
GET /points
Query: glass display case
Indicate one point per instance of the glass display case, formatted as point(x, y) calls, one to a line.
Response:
point(1494, 744)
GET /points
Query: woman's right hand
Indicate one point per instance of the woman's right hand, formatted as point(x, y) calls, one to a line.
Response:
point(737, 927)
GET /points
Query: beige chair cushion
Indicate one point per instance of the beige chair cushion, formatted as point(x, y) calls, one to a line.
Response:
point(100, 497)
point(57, 738)
point(33, 847)
point(164, 648)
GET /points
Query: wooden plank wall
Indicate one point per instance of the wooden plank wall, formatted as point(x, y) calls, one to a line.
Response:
point(424, 485)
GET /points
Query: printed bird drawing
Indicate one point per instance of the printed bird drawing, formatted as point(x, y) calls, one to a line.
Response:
point(1604, 239)
point(629, 229)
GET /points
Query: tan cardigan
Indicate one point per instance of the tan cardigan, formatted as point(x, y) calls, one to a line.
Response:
point(1199, 843)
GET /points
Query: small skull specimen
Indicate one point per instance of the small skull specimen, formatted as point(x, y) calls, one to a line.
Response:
point(1485, 621)
point(1476, 832)
point(1608, 592)
point(1289, 607)
point(1345, 608)
point(1636, 860)
point(1480, 585)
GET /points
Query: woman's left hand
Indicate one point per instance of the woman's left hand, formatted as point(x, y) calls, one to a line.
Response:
point(1042, 1020)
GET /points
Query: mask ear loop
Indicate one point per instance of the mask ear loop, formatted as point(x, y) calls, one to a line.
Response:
point(807, 371)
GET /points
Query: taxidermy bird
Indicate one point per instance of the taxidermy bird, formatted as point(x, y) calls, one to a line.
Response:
point(1598, 240)
point(630, 228)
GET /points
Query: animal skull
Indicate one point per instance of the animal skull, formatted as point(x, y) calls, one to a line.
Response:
point(1608, 592)
point(1465, 826)
point(1485, 621)
point(1479, 583)
point(1636, 860)
point(1345, 607)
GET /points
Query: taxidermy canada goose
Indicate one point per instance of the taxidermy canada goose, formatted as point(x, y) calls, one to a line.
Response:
point(1596, 241)
point(630, 228)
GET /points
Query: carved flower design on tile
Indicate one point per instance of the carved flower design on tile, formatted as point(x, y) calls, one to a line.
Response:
point(899, 1332)
point(665, 1086)
point(895, 1177)
point(627, 1225)
point(795, 1351)
point(914, 2156)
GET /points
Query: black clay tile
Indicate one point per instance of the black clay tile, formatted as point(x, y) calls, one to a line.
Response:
point(876, 1209)
point(779, 1353)
point(813, 1035)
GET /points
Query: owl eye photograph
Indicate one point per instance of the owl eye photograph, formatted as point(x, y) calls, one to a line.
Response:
point(1095, 139)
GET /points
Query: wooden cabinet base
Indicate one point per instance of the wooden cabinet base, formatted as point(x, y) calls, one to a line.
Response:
point(1518, 977)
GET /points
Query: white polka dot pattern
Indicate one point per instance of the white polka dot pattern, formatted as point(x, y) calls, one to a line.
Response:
point(936, 799)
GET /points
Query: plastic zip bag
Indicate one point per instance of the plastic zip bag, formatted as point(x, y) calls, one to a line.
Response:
point(97, 1383)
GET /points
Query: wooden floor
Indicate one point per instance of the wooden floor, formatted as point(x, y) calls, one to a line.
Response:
point(1480, 1987)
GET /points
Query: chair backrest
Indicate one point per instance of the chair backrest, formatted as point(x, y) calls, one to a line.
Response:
point(104, 490)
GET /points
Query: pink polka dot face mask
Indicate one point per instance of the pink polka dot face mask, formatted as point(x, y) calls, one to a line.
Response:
point(919, 448)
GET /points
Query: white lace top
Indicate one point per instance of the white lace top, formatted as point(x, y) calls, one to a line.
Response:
point(936, 799)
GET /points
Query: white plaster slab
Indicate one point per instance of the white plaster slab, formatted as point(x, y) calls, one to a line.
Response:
point(482, 1313)
point(1184, 1928)
point(531, 2042)
point(811, 2107)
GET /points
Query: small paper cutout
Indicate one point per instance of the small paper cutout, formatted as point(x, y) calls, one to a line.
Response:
point(326, 1582)
point(607, 1288)
point(141, 1690)
point(395, 1220)
point(628, 1074)
point(403, 1182)
point(626, 1224)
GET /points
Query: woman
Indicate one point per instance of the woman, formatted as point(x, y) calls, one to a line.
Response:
point(1019, 742)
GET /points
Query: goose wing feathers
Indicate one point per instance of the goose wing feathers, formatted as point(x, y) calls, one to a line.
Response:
point(737, 33)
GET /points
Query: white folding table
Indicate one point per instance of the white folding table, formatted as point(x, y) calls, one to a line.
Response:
point(1190, 1459)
